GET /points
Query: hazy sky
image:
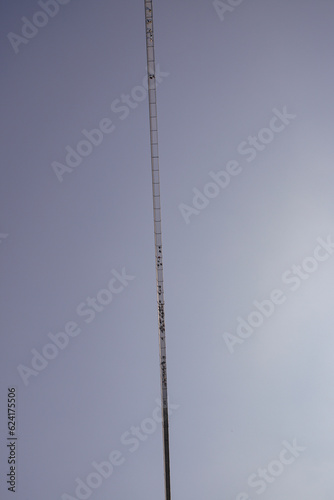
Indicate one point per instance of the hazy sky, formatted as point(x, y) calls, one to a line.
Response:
point(246, 156)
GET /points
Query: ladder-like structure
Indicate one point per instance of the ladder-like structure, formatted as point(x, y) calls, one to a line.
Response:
point(152, 99)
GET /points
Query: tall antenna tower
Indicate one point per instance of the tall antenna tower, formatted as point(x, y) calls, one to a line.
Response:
point(152, 99)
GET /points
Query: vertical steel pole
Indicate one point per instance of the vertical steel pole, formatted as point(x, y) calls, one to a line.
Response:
point(152, 98)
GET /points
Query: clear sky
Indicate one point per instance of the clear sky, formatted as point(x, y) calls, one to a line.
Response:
point(245, 103)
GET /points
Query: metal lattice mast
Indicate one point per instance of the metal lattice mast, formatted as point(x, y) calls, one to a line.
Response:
point(157, 234)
